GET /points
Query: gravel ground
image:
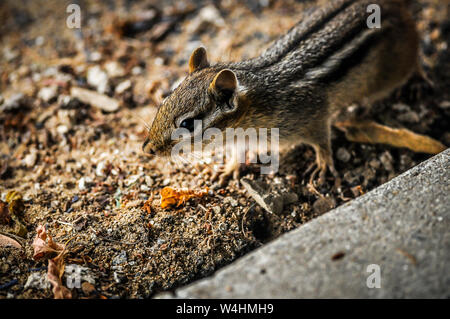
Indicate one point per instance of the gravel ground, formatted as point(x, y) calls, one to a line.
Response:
point(75, 156)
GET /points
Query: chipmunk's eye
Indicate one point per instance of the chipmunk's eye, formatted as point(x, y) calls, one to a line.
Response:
point(188, 124)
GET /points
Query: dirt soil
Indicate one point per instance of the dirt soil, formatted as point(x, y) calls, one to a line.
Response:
point(79, 167)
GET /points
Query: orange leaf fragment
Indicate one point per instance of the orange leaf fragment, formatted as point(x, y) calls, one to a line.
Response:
point(176, 197)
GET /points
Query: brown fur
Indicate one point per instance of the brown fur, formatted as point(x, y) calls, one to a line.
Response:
point(323, 64)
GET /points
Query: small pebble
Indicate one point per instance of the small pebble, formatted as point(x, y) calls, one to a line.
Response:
point(14, 102)
point(374, 163)
point(121, 258)
point(400, 107)
point(343, 155)
point(95, 56)
point(62, 129)
point(231, 201)
point(100, 170)
point(149, 181)
point(386, 159)
point(39, 41)
point(97, 78)
point(131, 180)
point(123, 86)
point(445, 105)
point(48, 94)
point(137, 70)
point(207, 18)
point(409, 117)
point(30, 159)
point(114, 69)
point(324, 204)
point(82, 183)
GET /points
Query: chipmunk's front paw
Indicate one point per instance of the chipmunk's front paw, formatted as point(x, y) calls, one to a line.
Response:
point(321, 166)
point(321, 171)
point(317, 169)
point(232, 170)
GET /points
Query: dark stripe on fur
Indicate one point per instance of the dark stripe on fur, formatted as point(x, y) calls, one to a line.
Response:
point(290, 42)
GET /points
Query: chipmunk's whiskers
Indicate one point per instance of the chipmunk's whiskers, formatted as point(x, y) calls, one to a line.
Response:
point(147, 126)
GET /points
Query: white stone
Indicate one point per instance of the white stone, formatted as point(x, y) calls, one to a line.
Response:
point(114, 69)
point(95, 56)
point(136, 70)
point(30, 159)
point(123, 86)
point(97, 78)
point(149, 181)
point(99, 171)
point(207, 17)
point(131, 180)
point(62, 129)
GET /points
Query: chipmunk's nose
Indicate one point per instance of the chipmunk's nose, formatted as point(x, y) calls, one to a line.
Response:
point(147, 147)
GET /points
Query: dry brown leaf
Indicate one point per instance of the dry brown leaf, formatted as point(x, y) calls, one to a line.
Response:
point(44, 245)
point(6, 241)
point(176, 197)
point(4, 213)
point(55, 272)
point(148, 204)
point(148, 207)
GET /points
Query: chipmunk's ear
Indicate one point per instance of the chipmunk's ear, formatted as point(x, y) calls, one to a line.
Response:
point(224, 82)
point(224, 86)
point(198, 60)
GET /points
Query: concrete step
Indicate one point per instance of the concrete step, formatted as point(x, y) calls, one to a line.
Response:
point(393, 242)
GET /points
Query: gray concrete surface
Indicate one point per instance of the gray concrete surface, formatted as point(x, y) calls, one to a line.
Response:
point(403, 226)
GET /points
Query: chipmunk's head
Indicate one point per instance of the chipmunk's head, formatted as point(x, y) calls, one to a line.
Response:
point(209, 94)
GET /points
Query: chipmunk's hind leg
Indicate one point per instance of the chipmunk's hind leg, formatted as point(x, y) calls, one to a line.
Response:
point(374, 133)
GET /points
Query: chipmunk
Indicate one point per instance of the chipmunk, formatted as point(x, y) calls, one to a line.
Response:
point(324, 64)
